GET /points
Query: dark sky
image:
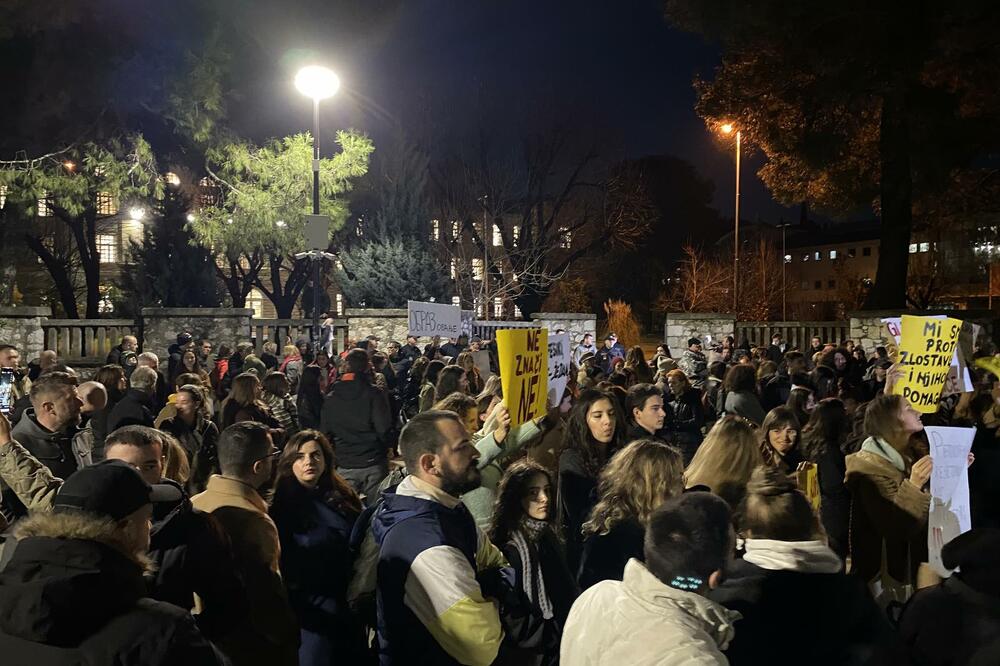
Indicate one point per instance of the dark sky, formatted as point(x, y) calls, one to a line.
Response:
point(447, 67)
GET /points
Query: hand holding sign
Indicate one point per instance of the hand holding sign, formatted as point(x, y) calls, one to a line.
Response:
point(925, 355)
point(524, 371)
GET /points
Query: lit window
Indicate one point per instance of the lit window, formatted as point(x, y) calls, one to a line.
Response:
point(208, 193)
point(3, 196)
point(788, 258)
point(478, 305)
point(340, 305)
point(106, 204)
point(497, 237)
point(517, 312)
point(866, 252)
point(477, 269)
point(359, 230)
point(818, 256)
point(913, 248)
point(455, 300)
point(456, 228)
point(107, 247)
point(925, 247)
point(43, 205)
point(851, 252)
point(255, 301)
point(565, 238)
point(805, 257)
point(454, 269)
point(515, 235)
point(435, 230)
point(833, 254)
point(498, 306)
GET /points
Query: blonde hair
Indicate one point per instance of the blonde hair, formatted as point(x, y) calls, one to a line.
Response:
point(882, 420)
point(176, 466)
point(289, 350)
point(726, 459)
point(636, 480)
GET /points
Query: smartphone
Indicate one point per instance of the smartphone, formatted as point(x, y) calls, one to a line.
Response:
point(6, 390)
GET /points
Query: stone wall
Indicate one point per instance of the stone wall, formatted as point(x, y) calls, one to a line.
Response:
point(866, 326)
point(576, 324)
point(680, 326)
point(22, 327)
point(386, 324)
point(220, 325)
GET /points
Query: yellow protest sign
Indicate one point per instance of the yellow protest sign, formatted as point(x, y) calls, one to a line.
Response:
point(524, 371)
point(989, 364)
point(926, 347)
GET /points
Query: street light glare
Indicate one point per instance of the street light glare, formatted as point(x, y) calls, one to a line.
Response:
point(137, 213)
point(317, 82)
point(727, 128)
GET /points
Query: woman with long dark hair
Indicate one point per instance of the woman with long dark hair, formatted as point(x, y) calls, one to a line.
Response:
point(327, 370)
point(244, 403)
point(190, 364)
point(824, 439)
point(194, 430)
point(467, 362)
point(427, 389)
point(451, 379)
point(309, 400)
point(314, 509)
point(779, 440)
point(635, 360)
point(740, 386)
point(523, 527)
point(410, 394)
point(594, 432)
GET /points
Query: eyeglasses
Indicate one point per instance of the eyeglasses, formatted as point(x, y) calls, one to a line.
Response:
point(272, 454)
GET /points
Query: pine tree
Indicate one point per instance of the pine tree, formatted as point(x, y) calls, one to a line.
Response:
point(388, 273)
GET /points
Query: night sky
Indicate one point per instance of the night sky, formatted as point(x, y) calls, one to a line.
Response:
point(444, 68)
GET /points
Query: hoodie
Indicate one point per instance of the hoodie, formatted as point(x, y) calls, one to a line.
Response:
point(69, 596)
point(356, 418)
point(431, 608)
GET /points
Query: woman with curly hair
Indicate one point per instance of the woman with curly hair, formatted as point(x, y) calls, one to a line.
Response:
point(726, 459)
point(594, 432)
point(635, 481)
point(314, 509)
point(523, 527)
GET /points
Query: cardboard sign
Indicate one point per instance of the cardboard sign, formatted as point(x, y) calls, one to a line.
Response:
point(430, 319)
point(926, 349)
point(482, 361)
point(949, 512)
point(559, 357)
point(959, 379)
point(524, 372)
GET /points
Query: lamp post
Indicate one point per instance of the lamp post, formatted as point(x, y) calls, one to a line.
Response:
point(727, 128)
point(784, 261)
point(318, 83)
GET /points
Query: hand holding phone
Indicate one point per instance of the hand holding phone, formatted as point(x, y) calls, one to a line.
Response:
point(6, 390)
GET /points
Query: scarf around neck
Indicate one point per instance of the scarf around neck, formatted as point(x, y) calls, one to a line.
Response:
point(523, 539)
point(800, 556)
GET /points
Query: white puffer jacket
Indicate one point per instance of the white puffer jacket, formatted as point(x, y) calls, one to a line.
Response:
point(640, 621)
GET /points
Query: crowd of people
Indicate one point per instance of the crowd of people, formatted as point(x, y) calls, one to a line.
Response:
point(729, 504)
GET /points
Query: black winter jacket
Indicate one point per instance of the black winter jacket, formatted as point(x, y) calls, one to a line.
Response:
point(133, 409)
point(53, 449)
point(356, 418)
point(605, 555)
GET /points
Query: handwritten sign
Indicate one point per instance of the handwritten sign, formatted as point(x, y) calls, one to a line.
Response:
point(959, 379)
point(926, 348)
point(949, 513)
point(523, 356)
point(432, 319)
point(559, 357)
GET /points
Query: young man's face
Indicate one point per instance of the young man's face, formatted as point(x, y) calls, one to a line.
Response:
point(457, 459)
point(651, 416)
point(9, 358)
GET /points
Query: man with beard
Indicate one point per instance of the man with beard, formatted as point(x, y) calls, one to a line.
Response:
point(246, 459)
point(432, 557)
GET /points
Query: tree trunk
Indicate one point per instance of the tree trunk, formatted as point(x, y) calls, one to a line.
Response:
point(889, 290)
point(285, 296)
point(59, 274)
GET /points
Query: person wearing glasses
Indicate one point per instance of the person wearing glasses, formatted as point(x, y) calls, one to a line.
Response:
point(246, 458)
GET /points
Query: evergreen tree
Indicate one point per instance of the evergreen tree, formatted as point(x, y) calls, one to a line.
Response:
point(170, 269)
point(388, 273)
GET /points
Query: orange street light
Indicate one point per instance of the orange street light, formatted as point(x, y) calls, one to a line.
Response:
point(727, 129)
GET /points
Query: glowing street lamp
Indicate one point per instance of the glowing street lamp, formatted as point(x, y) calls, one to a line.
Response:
point(727, 129)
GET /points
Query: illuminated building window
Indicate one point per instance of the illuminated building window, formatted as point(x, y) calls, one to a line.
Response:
point(454, 269)
point(3, 196)
point(104, 305)
point(255, 301)
point(478, 305)
point(340, 305)
point(106, 204)
point(498, 306)
point(925, 247)
point(516, 235)
point(477, 269)
point(208, 193)
point(435, 230)
point(833, 254)
point(788, 258)
point(455, 300)
point(818, 256)
point(456, 228)
point(517, 312)
point(565, 238)
point(43, 205)
point(107, 247)
point(913, 248)
point(497, 237)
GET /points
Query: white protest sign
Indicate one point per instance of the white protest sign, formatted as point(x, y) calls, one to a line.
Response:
point(949, 512)
point(482, 361)
point(959, 380)
point(430, 319)
point(559, 358)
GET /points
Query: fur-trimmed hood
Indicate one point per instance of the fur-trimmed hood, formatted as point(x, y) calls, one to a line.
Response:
point(68, 576)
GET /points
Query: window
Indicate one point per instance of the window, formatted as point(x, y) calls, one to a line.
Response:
point(255, 301)
point(208, 193)
point(517, 312)
point(340, 305)
point(516, 235)
point(456, 228)
point(478, 306)
point(818, 284)
point(565, 238)
point(43, 205)
point(497, 236)
point(498, 307)
point(805, 285)
point(106, 204)
point(866, 252)
point(851, 252)
point(359, 230)
point(833, 254)
point(107, 246)
point(172, 179)
point(913, 248)
point(455, 300)
point(477, 269)
point(805, 257)
point(818, 255)
point(435, 230)
point(454, 269)
point(788, 258)
point(925, 247)
point(831, 284)
point(104, 305)
point(3, 196)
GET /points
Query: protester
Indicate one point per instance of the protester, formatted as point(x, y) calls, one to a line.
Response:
point(875, 385)
point(801, 396)
point(450, 379)
point(309, 400)
point(129, 343)
point(73, 590)
point(244, 403)
point(135, 407)
point(586, 346)
point(292, 366)
point(432, 557)
point(88, 444)
point(189, 364)
point(687, 415)
point(824, 442)
point(314, 509)
point(523, 526)
point(475, 381)
point(593, 434)
point(775, 391)
point(428, 388)
point(356, 418)
point(712, 390)
point(725, 460)
point(658, 613)
point(47, 428)
point(636, 480)
point(779, 440)
point(246, 455)
point(269, 355)
point(645, 406)
point(788, 565)
point(327, 371)
point(197, 434)
point(776, 352)
point(220, 371)
point(280, 402)
point(693, 363)
point(740, 386)
point(635, 361)
point(112, 377)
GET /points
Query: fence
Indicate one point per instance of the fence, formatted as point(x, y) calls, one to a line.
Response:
point(487, 329)
point(796, 334)
point(85, 340)
point(287, 331)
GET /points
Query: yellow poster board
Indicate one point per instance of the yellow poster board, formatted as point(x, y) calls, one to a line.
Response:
point(524, 371)
point(990, 364)
point(926, 348)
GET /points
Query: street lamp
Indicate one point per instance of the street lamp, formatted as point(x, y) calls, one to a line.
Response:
point(319, 83)
point(727, 129)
